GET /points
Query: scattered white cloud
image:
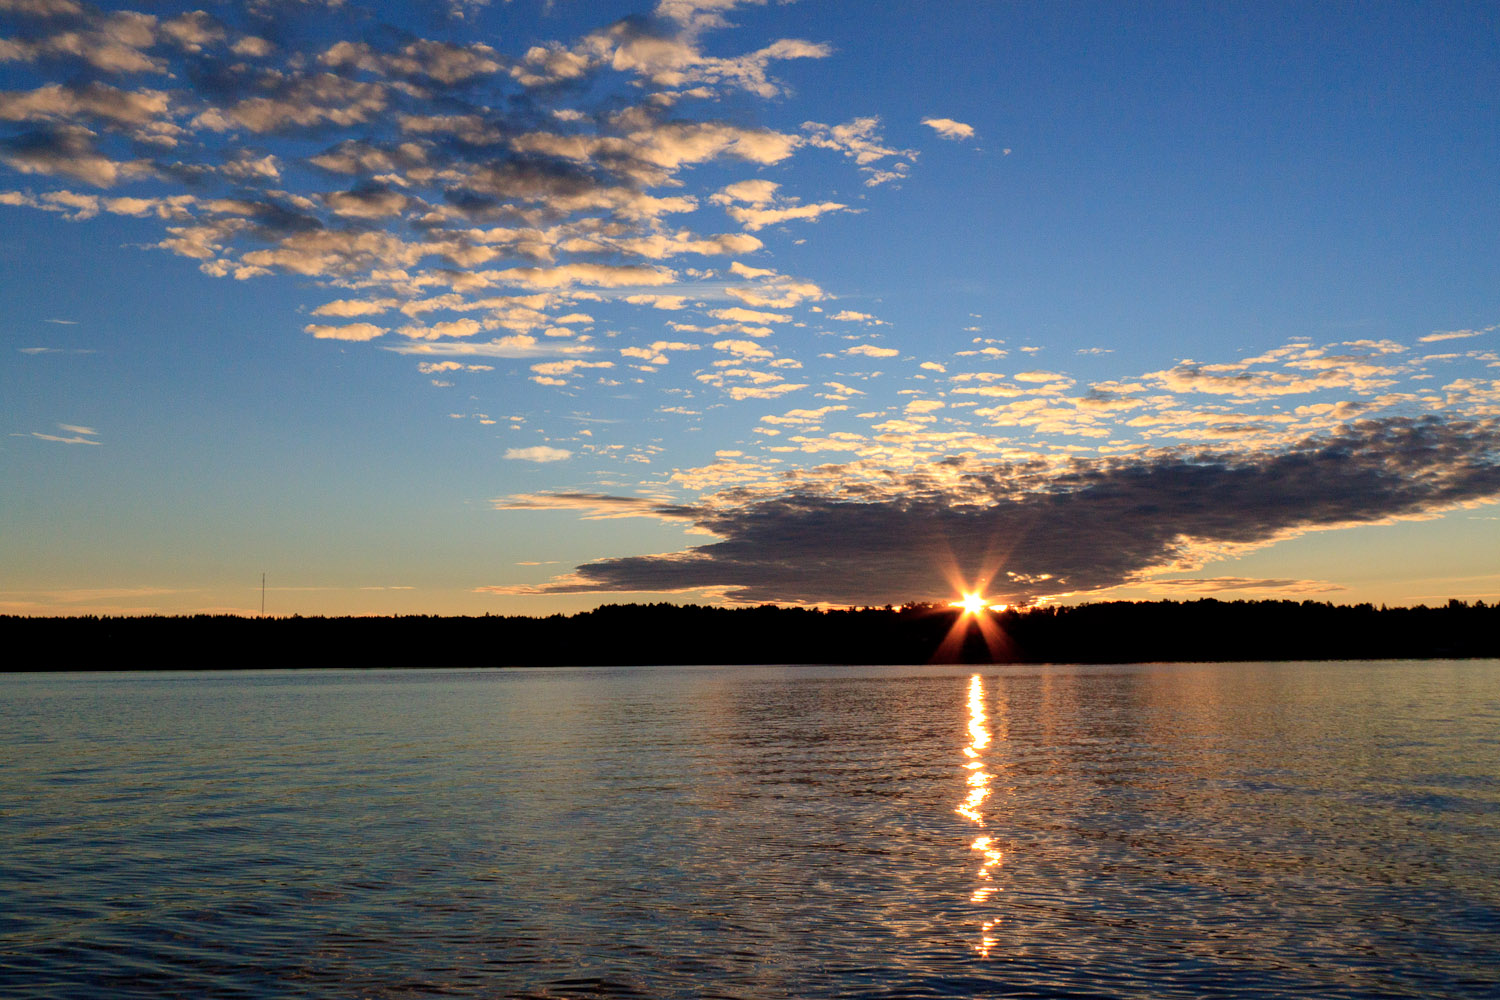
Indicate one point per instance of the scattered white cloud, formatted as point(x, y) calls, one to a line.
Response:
point(950, 129)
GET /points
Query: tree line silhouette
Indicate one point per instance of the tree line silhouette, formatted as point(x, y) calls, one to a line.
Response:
point(637, 634)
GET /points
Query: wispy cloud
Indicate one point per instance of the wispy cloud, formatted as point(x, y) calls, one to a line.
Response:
point(1240, 584)
point(72, 434)
point(1433, 338)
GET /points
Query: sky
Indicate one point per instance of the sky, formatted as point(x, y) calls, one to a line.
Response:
point(526, 307)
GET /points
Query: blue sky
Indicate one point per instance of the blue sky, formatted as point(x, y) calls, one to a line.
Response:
point(523, 307)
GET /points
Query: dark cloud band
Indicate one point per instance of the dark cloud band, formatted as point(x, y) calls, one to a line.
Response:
point(1095, 525)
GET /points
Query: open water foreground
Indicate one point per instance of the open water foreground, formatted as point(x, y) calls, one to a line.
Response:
point(1178, 830)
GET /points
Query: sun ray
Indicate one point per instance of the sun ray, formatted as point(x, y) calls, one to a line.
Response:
point(976, 613)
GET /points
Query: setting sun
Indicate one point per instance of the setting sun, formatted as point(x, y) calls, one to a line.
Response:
point(972, 603)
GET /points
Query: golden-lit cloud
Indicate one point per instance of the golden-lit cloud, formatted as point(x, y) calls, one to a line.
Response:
point(349, 331)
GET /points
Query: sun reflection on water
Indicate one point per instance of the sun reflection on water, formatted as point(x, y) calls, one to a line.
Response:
point(979, 781)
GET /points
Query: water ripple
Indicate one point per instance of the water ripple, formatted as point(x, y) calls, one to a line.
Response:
point(1242, 831)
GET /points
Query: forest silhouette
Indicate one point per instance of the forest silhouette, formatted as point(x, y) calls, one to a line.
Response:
point(640, 634)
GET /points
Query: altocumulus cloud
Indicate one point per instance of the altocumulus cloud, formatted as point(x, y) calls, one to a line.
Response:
point(1029, 532)
point(414, 173)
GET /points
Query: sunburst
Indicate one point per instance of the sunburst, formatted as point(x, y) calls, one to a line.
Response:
point(972, 602)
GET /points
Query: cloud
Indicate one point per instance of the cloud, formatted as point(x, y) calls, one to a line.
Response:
point(861, 141)
point(699, 14)
point(667, 302)
point(75, 435)
point(42, 8)
point(650, 151)
point(349, 331)
point(349, 308)
point(439, 62)
point(871, 351)
point(655, 354)
point(539, 453)
point(1040, 377)
point(55, 102)
point(738, 314)
point(776, 293)
point(774, 390)
point(437, 331)
point(596, 275)
point(438, 367)
point(1025, 533)
point(596, 506)
point(518, 346)
point(802, 417)
point(567, 367)
point(663, 58)
point(69, 151)
point(401, 168)
point(742, 348)
point(745, 271)
point(301, 103)
point(108, 42)
point(756, 218)
point(949, 129)
point(1227, 584)
point(1234, 380)
point(1433, 338)
point(752, 192)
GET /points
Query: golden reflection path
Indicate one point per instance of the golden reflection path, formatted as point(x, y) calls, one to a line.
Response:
point(971, 808)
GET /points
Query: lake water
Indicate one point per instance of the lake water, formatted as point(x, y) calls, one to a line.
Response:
point(1187, 830)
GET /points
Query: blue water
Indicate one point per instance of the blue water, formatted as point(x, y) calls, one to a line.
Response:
point(1227, 830)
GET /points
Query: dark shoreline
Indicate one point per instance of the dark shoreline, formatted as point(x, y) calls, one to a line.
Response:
point(640, 634)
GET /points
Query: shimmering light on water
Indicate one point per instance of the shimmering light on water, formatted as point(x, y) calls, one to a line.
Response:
point(979, 790)
point(1240, 830)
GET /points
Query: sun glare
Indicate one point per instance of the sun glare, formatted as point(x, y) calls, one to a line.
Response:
point(972, 603)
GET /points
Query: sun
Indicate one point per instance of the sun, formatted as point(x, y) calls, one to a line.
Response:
point(972, 603)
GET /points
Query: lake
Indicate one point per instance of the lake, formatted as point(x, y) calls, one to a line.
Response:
point(1159, 830)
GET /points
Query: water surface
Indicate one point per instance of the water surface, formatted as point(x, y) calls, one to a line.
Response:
point(1235, 830)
